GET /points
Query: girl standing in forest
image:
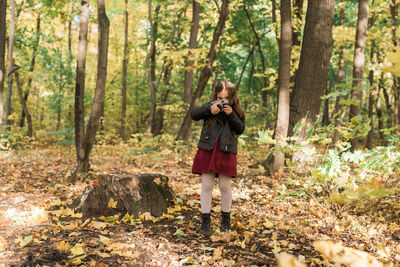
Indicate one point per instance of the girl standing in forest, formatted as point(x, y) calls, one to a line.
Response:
point(217, 149)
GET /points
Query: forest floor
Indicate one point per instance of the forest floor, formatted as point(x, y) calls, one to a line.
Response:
point(269, 216)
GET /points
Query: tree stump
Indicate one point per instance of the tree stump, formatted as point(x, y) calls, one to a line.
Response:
point(133, 193)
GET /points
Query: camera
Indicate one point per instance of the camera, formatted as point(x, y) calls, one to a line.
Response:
point(222, 104)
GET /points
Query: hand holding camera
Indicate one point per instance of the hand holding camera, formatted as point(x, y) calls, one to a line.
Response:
point(220, 106)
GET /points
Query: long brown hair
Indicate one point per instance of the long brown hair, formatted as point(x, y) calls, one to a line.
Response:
point(233, 96)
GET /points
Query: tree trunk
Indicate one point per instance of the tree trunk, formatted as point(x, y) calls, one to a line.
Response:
point(70, 30)
point(151, 65)
point(285, 46)
point(31, 69)
point(10, 63)
point(358, 64)
point(380, 117)
point(98, 99)
point(244, 68)
point(3, 9)
point(188, 80)
point(298, 15)
point(274, 20)
point(189, 71)
point(340, 76)
point(325, 113)
point(311, 78)
point(23, 105)
point(124, 74)
point(80, 84)
point(393, 12)
point(258, 42)
point(370, 135)
point(370, 108)
point(206, 71)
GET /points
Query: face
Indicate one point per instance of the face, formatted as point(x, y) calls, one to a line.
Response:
point(223, 95)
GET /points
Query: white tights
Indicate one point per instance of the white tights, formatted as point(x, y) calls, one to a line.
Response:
point(207, 185)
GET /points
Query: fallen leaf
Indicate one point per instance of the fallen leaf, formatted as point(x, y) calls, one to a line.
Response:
point(112, 203)
point(3, 243)
point(77, 251)
point(217, 255)
point(98, 225)
point(25, 241)
point(63, 246)
point(286, 260)
point(340, 254)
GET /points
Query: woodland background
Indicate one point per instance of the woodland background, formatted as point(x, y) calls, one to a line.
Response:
point(107, 86)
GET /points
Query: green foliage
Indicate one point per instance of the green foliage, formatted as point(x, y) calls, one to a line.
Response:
point(15, 138)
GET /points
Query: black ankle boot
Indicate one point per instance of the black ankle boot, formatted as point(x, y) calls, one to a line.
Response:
point(226, 221)
point(205, 224)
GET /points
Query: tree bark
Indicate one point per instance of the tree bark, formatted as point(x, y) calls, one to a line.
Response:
point(134, 194)
point(124, 74)
point(206, 71)
point(10, 63)
point(358, 64)
point(394, 13)
point(370, 108)
point(80, 84)
point(150, 65)
point(298, 15)
point(285, 46)
point(274, 20)
point(258, 42)
point(189, 73)
point(380, 117)
point(244, 68)
point(31, 69)
point(3, 9)
point(98, 99)
point(23, 104)
point(311, 78)
point(370, 135)
point(340, 76)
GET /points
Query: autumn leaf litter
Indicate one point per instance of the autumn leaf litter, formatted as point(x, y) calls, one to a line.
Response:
point(272, 222)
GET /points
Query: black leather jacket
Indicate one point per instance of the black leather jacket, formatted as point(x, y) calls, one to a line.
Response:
point(228, 127)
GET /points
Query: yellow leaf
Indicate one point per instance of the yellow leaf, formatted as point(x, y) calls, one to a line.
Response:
point(26, 241)
point(77, 261)
point(112, 203)
point(274, 237)
point(340, 254)
point(146, 217)
point(174, 209)
point(77, 251)
point(3, 244)
point(276, 249)
point(98, 225)
point(157, 180)
point(253, 222)
point(216, 209)
point(103, 254)
point(105, 240)
point(268, 224)
point(167, 216)
point(217, 255)
point(63, 245)
point(286, 260)
point(69, 227)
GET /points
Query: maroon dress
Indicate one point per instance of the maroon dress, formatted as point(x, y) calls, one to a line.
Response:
point(215, 160)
